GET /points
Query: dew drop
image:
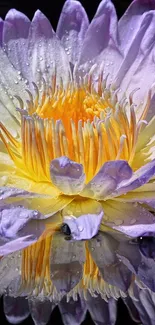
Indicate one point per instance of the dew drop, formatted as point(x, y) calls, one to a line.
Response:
point(118, 222)
point(132, 221)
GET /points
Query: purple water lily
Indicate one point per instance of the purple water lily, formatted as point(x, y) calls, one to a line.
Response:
point(77, 162)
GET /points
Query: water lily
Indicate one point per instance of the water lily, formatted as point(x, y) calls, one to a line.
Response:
point(77, 163)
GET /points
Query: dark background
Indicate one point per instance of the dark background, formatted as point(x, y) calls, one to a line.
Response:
point(52, 10)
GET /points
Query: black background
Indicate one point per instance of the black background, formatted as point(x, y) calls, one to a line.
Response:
point(52, 9)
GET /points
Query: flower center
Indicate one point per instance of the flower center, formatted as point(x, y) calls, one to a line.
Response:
point(86, 123)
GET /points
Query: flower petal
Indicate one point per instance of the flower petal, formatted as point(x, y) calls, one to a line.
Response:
point(111, 174)
point(102, 312)
point(103, 34)
point(19, 228)
point(131, 219)
point(103, 250)
point(16, 309)
point(45, 52)
point(139, 178)
point(129, 23)
point(83, 218)
point(72, 312)
point(67, 175)
point(72, 27)
point(145, 305)
point(40, 310)
point(10, 267)
point(66, 263)
point(15, 44)
point(132, 309)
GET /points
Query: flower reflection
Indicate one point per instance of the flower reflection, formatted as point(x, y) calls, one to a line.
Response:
point(77, 163)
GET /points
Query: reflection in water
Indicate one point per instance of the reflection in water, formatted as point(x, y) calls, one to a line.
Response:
point(119, 270)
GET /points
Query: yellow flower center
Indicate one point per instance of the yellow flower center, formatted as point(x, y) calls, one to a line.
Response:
point(86, 123)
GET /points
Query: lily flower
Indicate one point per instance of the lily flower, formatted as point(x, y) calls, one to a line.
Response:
point(77, 161)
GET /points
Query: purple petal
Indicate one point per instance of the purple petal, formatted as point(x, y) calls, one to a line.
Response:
point(1, 31)
point(19, 228)
point(15, 36)
point(84, 218)
point(103, 250)
point(130, 22)
point(67, 175)
point(85, 227)
point(72, 27)
point(111, 174)
point(66, 263)
point(102, 33)
point(46, 52)
point(131, 219)
point(145, 304)
point(102, 312)
point(72, 312)
point(40, 310)
point(139, 61)
point(16, 309)
point(132, 309)
point(139, 178)
point(10, 267)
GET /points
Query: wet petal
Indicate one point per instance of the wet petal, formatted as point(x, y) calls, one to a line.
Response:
point(44, 48)
point(102, 33)
point(102, 312)
point(16, 309)
point(19, 228)
point(15, 44)
point(139, 178)
point(111, 174)
point(131, 219)
point(10, 267)
point(66, 263)
point(40, 310)
point(103, 250)
point(72, 312)
point(83, 218)
point(72, 27)
point(67, 175)
point(129, 23)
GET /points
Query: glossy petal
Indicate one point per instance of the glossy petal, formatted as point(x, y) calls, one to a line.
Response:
point(40, 310)
point(103, 250)
point(111, 174)
point(102, 312)
point(83, 218)
point(139, 178)
point(71, 28)
point(72, 312)
point(1, 31)
point(131, 219)
point(67, 175)
point(15, 43)
point(102, 33)
point(138, 61)
point(66, 263)
point(16, 309)
point(42, 61)
point(129, 23)
point(19, 228)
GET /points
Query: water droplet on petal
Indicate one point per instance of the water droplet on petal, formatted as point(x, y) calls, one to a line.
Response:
point(118, 222)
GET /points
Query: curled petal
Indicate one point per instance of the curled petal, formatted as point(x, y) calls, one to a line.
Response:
point(67, 175)
point(40, 310)
point(111, 174)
